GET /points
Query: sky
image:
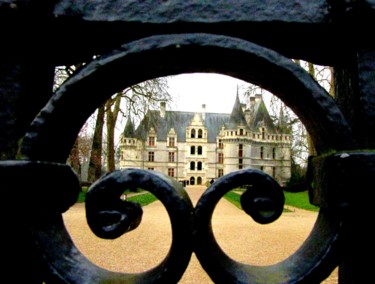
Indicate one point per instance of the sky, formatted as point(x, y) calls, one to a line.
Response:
point(216, 91)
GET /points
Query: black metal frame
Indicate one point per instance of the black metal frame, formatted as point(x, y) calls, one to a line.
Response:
point(250, 40)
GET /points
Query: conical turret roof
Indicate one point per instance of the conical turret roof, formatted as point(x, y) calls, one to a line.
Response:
point(237, 116)
point(261, 117)
point(129, 131)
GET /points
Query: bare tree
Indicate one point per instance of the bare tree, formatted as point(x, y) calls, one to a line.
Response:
point(302, 143)
point(80, 151)
point(137, 99)
point(95, 164)
point(310, 145)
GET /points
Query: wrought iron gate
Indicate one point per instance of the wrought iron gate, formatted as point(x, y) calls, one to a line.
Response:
point(138, 40)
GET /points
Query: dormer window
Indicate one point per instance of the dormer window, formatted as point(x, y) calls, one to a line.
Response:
point(171, 142)
point(192, 133)
point(200, 133)
point(151, 141)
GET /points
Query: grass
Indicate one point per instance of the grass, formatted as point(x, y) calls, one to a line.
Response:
point(298, 200)
point(142, 199)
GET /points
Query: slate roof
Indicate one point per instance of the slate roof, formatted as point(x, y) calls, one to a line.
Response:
point(129, 130)
point(237, 116)
point(261, 118)
point(180, 120)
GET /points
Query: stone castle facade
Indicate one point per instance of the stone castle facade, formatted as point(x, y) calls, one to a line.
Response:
point(196, 148)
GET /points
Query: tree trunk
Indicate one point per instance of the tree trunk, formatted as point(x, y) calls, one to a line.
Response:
point(95, 164)
point(111, 124)
point(74, 158)
point(311, 147)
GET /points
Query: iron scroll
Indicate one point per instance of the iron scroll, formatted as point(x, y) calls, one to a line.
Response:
point(166, 55)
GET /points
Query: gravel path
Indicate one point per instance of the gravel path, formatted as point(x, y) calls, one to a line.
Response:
point(136, 251)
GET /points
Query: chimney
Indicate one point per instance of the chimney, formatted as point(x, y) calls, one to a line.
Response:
point(162, 109)
point(203, 111)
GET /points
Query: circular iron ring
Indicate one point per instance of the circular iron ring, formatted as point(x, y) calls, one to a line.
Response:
point(164, 55)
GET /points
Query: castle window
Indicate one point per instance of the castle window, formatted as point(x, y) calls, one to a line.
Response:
point(240, 150)
point(192, 133)
point(171, 157)
point(273, 153)
point(220, 158)
point(261, 152)
point(240, 163)
point(171, 172)
point(199, 166)
point(192, 150)
point(273, 171)
point(192, 180)
point(151, 156)
point(220, 172)
point(150, 169)
point(199, 150)
point(171, 141)
point(192, 166)
point(199, 180)
point(200, 133)
point(261, 168)
point(263, 134)
point(241, 132)
point(151, 141)
point(221, 144)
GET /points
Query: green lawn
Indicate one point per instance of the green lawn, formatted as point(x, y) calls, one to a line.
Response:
point(143, 198)
point(298, 200)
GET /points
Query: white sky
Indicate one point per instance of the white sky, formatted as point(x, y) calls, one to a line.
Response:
point(216, 91)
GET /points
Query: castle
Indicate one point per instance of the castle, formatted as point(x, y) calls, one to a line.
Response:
point(196, 148)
